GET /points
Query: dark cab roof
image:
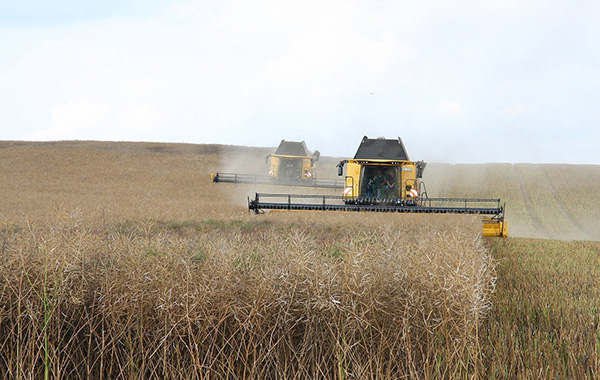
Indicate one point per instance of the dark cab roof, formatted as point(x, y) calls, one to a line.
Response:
point(381, 149)
point(292, 148)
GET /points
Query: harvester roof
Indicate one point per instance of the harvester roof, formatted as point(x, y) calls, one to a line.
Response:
point(292, 148)
point(381, 149)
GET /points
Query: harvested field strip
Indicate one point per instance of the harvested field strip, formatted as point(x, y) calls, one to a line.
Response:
point(579, 231)
point(542, 200)
point(534, 219)
point(580, 198)
point(555, 219)
point(231, 299)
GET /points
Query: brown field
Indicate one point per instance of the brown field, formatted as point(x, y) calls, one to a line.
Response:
point(123, 260)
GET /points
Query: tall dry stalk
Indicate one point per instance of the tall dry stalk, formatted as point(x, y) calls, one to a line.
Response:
point(244, 300)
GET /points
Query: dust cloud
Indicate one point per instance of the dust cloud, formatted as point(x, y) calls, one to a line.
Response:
point(252, 161)
point(546, 201)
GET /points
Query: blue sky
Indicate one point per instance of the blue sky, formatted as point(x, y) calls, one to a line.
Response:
point(467, 82)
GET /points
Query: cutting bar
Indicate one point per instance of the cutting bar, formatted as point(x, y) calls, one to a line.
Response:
point(482, 206)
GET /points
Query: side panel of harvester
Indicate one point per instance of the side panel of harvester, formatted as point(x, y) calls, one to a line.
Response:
point(493, 226)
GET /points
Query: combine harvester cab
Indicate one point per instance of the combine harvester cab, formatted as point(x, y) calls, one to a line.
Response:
point(382, 178)
point(291, 165)
point(292, 162)
point(381, 173)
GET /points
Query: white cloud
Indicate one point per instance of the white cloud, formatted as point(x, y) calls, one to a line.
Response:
point(332, 65)
point(515, 110)
point(505, 87)
point(79, 118)
point(449, 109)
point(142, 120)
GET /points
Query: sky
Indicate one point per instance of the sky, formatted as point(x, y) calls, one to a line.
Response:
point(468, 81)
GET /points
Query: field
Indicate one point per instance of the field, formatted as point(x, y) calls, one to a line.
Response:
point(123, 260)
point(547, 201)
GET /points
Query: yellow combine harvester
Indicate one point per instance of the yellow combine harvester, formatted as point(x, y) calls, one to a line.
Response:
point(291, 164)
point(382, 178)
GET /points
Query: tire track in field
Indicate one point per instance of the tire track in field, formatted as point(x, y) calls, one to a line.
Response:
point(581, 228)
point(529, 209)
point(447, 182)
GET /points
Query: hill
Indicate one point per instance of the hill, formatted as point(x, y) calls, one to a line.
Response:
point(172, 181)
